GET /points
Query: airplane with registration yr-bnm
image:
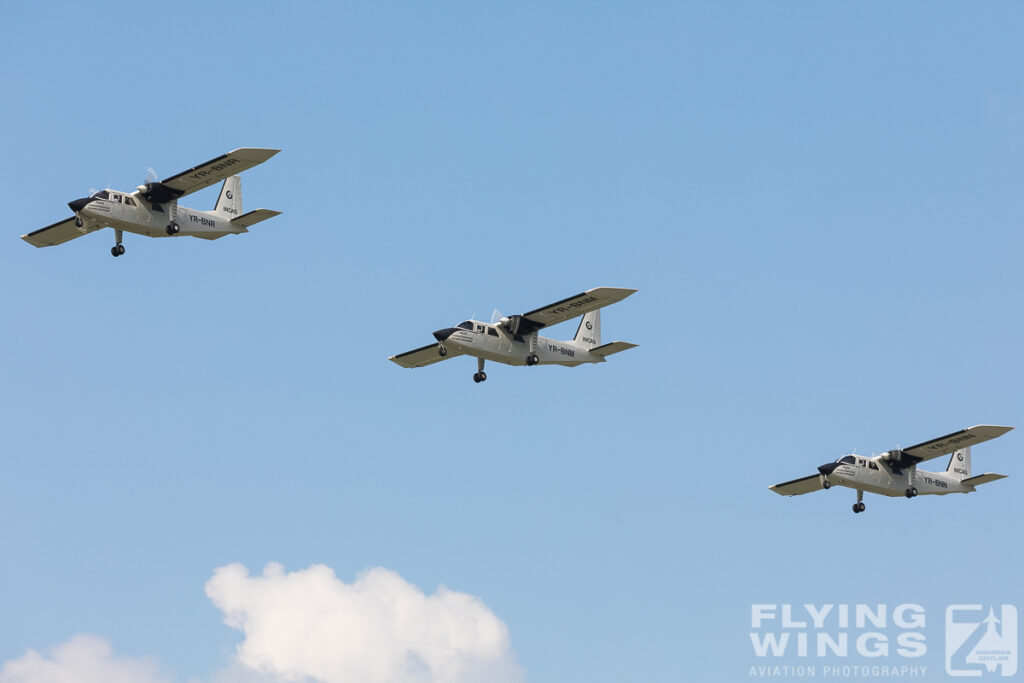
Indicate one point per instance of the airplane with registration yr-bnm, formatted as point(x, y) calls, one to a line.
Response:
point(895, 472)
point(513, 340)
point(153, 210)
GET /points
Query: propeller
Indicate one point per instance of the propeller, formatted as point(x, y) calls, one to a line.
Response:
point(151, 175)
point(496, 316)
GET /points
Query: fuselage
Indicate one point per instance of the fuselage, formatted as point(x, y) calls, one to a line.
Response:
point(494, 343)
point(875, 475)
point(132, 213)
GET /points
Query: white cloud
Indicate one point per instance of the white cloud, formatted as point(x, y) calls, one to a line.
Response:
point(310, 624)
point(82, 659)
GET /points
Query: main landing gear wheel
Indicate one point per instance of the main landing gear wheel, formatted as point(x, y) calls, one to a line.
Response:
point(78, 222)
point(532, 359)
point(441, 351)
point(173, 229)
point(117, 250)
point(479, 377)
point(858, 507)
point(911, 492)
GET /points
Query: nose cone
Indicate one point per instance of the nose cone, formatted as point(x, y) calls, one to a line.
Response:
point(441, 335)
point(828, 468)
point(79, 204)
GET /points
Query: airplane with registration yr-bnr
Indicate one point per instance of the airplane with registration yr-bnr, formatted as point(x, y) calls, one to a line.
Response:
point(153, 210)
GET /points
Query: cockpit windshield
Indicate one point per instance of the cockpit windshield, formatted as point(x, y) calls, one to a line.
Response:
point(465, 325)
point(102, 194)
point(847, 460)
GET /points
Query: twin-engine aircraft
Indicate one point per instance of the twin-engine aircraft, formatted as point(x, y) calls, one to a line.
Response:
point(514, 340)
point(152, 209)
point(895, 473)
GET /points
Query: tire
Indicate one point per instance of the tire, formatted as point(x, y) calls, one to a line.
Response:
point(913, 492)
point(483, 376)
point(114, 252)
point(441, 351)
point(826, 484)
point(476, 377)
point(78, 222)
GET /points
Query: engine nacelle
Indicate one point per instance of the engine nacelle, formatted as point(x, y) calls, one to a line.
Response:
point(511, 324)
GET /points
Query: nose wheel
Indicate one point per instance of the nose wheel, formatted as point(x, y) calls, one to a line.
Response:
point(78, 222)
point(441, 351)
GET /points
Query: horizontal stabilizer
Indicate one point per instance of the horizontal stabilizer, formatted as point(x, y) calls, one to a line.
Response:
point(253, 217)
point(983, 479)
point(610, 348)
point(799, 487)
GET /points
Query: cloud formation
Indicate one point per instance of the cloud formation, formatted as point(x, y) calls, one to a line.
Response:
point(309, 625)
point(82, 659)
point(380, 627)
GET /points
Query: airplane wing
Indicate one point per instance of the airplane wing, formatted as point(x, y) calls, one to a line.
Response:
point(58, 233)
point(945, 445)
point(574, 306)
point(798, 487)
point(216, 170)
point(425, 355)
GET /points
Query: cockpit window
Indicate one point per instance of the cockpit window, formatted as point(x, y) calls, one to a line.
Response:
point(129, 201)
point(872, 465)
point(465, 325)
point(102, 194)
point(847, 459)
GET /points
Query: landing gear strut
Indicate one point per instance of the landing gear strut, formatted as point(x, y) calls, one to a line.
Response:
point(532, 359)
point(479, 375)
point(859, 505)
point(118, 248)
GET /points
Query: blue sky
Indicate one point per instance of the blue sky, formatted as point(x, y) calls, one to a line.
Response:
point(820, 206)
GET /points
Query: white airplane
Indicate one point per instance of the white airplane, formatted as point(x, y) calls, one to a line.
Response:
point(153, 210)
point(895, 473)
point(514, 341)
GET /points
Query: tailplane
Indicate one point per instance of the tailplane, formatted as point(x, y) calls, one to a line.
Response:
point(960, 464)
point(229, 203)
point(589, 332)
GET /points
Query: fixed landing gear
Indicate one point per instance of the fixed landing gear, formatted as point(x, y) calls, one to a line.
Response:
point(911, 492)
point(859, 505)
point(78, 222)
point(826, 484)
point(479, 375)
point(532, 359)
point(173, 229)
point(118, 248)
point(441, 351)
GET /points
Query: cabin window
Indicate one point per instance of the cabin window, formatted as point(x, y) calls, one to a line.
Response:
point(129, 201)
point(873, 465)
point(116, 198)
point(491, 331)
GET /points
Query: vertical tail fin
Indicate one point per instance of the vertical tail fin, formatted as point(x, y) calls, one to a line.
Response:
point(589, 332)
point(229, 202)
point(960, 464)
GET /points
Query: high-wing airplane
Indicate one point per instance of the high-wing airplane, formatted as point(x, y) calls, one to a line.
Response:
point(895, 473)
point(513, 340)
point(153, 210)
